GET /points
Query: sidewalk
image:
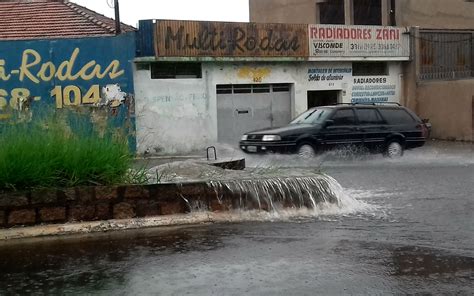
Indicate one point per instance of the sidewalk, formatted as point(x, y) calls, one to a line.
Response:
point(450, 146)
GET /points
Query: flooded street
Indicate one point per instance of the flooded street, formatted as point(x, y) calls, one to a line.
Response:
point(411, 230)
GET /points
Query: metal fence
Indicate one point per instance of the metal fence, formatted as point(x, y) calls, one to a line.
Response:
point(445, 55)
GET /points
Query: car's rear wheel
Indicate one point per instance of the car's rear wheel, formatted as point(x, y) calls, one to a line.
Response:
point(306, 150)
point(394, 149)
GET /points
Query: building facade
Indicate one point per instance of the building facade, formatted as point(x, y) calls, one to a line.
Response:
point(438, 82)
point(202, 83)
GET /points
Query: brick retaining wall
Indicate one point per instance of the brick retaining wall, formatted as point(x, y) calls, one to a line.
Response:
point(110, 202)
point(83, 204)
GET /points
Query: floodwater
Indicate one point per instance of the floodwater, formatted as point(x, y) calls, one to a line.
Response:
point(407, 227)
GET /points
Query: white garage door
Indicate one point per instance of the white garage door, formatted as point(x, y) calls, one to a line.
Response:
point(246, 107)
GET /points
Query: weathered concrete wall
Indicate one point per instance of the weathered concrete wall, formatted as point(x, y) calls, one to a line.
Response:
point(301, 11)
point(437, 14)
point(173, 115)
point(283, 11)
point(449, 106)
point(177, 116)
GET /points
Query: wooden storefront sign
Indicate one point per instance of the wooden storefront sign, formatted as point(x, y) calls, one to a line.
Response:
point(220, 39)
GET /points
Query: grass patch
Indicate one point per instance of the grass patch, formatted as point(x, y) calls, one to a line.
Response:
point(47, 155)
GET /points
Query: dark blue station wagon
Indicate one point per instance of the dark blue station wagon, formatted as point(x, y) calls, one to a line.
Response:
point(389, 129)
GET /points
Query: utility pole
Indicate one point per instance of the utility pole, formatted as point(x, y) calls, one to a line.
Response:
point(117, 18)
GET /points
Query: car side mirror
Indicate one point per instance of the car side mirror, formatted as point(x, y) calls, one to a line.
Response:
point(329, 122)
point(425, 120)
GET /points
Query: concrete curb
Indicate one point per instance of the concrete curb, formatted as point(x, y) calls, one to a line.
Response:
point(101, 226)
point(180, 220)
point(56, 231)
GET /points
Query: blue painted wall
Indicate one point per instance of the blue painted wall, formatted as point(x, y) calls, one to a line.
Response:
point(71, 77)
point(145, 38)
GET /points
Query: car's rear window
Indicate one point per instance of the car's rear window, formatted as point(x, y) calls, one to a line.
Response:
point(397, 116)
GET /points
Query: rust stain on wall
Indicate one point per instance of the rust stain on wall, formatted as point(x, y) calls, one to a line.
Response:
point(255, 74)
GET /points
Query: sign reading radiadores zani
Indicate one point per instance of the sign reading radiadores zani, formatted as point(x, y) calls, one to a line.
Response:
point(218, 39)
point(358, 41)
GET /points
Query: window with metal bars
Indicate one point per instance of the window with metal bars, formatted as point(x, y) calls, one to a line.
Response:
point(445, 55)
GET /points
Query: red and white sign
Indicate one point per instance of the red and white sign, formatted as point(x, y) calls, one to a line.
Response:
point(358, 41)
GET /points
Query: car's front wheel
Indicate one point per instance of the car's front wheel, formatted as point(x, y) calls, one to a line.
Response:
point(306, 150)
point(394, 149)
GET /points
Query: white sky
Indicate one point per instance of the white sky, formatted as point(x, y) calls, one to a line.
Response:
point(209, 10)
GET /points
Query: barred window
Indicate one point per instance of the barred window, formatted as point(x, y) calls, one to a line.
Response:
point(445, 55)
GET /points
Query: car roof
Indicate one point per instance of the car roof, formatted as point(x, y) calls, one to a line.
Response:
point(339, 106)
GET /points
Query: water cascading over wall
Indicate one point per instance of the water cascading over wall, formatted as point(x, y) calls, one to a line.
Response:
point(160, 200)
point(271, 194)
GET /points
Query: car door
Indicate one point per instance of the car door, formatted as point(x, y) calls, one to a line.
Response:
point(372, 126)
point(342, 129)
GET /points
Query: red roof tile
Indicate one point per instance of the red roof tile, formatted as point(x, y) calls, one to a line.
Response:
point(43, 19)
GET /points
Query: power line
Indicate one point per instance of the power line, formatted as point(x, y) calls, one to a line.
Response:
point(110, 3)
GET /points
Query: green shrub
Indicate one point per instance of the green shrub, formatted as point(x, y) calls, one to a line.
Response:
point(48, 155)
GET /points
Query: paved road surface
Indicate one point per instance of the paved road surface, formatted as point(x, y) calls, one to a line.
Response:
point(414, 233)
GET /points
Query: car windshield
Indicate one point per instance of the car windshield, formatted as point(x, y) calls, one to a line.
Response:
point(313, 116)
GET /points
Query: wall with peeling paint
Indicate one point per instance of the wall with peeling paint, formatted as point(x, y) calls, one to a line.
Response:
point(173, 115)
point(178, 116)
point(88, 81)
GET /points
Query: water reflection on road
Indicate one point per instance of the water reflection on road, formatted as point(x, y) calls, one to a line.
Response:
point(416, 236)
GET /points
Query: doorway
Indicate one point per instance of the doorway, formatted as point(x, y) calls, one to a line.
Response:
point(322, 97)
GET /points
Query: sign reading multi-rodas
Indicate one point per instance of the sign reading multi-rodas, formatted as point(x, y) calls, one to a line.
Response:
point(220, 39)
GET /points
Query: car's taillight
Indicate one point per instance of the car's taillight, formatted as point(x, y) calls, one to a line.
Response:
point(424, 130)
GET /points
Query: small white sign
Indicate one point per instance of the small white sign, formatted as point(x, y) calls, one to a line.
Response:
point(374, 89)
